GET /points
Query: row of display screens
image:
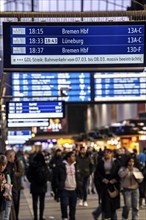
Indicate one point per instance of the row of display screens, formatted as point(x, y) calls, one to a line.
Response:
point(35, 126)
point(79, 86)
point(56, 125)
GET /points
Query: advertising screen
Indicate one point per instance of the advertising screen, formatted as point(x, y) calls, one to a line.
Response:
point(83, 87)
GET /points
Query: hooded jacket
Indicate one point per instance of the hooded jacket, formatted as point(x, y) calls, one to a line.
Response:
point(37, 175)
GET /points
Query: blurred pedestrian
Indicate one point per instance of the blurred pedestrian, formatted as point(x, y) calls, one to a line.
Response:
point(19, 171)
point(5, 190)
point(37, 174)
point(10, 154)
point(86, 167)
point(67, 183)
point(55, 161)
point(106, 177)
point(130, 176)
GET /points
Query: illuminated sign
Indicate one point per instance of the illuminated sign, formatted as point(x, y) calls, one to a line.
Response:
point(18, 137)
point(47, 86)
point(33, 45)
point(37, 110)
point(109, 87)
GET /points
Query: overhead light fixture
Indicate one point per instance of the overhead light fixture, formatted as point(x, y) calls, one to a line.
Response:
point(140, 124)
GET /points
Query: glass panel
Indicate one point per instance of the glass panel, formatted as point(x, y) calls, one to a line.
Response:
point(120, 2)
point(68, 6)
point(116, 5)
point(61, 5)
point(19, 7)
point(11, 6)
point(2, 5)
point(87, 5)
point(77, 5)
point(65, 5)
point(127, 3)
point(102, 6)
point(43, 7)
point(110, 7)
point(53, 5)
point(95, 5)
point(27, 7)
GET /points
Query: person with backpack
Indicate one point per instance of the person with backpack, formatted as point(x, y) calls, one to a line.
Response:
point(37, 175)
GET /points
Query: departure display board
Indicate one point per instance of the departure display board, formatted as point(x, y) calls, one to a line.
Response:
point(24, 122)
point(75, 86)
point(80, 87)
point(119, 87)
point(38, 110)
point(20, 133)
point(18, 137)
point(61, 46)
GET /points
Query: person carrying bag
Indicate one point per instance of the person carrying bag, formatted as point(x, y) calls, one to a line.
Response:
point(130, 179)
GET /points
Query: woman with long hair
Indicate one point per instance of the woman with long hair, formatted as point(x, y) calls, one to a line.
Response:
point(130, 178)
point(106, 176)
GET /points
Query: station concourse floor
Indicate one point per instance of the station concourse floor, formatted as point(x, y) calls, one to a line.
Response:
point(52, 208)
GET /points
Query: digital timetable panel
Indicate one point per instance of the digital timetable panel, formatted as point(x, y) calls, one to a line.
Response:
point(33, 45)
point(24, 122)
point(109, 86)
point(38, 110)
point(76, 86)
point(18, 137)
point(79, 87)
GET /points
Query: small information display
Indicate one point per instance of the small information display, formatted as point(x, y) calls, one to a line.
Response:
point(19, 137)
point(38, 110)
point(119, 86)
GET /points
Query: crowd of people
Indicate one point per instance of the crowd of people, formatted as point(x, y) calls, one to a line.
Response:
point(73, 175)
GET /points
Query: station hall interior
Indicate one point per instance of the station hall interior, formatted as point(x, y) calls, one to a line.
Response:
point(102, 106)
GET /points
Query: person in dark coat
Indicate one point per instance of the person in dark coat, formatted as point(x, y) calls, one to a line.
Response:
point(86, 167)
point(53, 164)
point(106, 174)
point(37, 175)
point(17, 175)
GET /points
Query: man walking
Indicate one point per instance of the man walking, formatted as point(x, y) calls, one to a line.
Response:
point(66, 185)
